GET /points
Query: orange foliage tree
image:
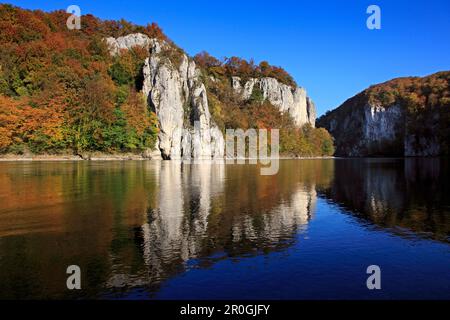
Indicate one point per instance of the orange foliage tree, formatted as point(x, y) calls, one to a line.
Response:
point(57, 91)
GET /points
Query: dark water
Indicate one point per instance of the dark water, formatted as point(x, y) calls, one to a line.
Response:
point(149, 230)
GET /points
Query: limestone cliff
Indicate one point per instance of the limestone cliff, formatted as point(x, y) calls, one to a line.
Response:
point(92, 93)
point(287, 99)
point(178, 97)
point(177, 90)
point(128, 42)
point(402, 117)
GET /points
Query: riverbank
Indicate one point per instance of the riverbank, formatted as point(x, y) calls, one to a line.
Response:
point(108, 157)
point(90, 157)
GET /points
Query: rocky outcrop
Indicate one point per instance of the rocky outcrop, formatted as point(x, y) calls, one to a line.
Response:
point(396, 118)
point(180, 101)
point(129, 41)
point(293, 101)
point(173, 86)
point(311, 110)
point(178, 97)
point(370, 130)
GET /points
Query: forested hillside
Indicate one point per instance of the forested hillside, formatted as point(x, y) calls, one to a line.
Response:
point(61, 91)
point(230, 111)
point(401, 117)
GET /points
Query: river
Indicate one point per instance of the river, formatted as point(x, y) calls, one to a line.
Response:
point(166, 230)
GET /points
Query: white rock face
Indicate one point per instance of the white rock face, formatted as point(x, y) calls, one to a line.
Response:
point(236, 83)
point(293, 101)
point(180, 101)
point(163, 92)
point(380, 123)
point(130, 41)
point(380, 130)
point(311, 109)
point(361, 128)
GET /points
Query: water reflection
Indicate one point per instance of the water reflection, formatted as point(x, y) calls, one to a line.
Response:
point(193, 218)
point(137, 224)
point(177, 226)
point(408, 196)
point(132, 226)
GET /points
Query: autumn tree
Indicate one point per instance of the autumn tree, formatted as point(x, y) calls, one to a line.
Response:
point(60, 89)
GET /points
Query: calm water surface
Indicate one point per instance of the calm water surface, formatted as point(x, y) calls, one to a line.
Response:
point(163, 230)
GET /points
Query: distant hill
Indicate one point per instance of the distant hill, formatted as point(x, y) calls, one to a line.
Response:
point(402, 117)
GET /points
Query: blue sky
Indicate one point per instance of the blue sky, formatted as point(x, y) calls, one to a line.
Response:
point(325, 45)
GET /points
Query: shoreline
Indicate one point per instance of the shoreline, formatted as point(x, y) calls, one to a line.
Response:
point(137, 157)
point(118, 157)
point(60, 158)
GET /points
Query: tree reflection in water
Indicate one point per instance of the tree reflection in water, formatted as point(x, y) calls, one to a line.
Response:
point(132, 226)
point(207, 212)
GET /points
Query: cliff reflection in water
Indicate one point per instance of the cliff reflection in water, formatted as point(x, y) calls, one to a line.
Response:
point(407, 196)
point(208, 212)
point(133, 227)
point(136, 224)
